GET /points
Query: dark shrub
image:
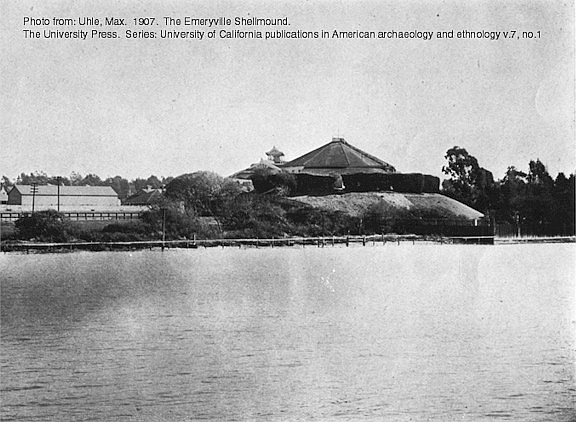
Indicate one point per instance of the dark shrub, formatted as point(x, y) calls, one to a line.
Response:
point(431, 184)
point(308, 184)
point(382, 217)
point(127, 227)
point(256, 215)
point(265, 180)
point(367, 182)
point(407, 182)
point(176, 223)
point(121, 237)
point(46, 226)
point(316, 222)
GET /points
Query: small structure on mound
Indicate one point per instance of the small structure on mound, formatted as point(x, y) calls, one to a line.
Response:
point(276, 156)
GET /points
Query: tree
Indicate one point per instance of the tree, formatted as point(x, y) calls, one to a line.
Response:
point(515, 178)
point(59, 180)
point(120, 185)
point(91, 180)
point(563, 212)
point(255, 215)
point(539, 181)
point(509, 189)
point(177, 224)
point(41, 178)
point(75, 178)
point(151, 181)
point(202, 193)
point(37, 177)
point(468, 182)
point(138, 184)
point(536, 201)
point(154, 182)
point(533, 204)
point(44, 226)
point(462, 167)
point(266, 180)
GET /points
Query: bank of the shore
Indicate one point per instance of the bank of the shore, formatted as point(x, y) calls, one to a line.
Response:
point(208, 243)
point(326, 241)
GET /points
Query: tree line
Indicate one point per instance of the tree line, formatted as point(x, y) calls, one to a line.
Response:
point(122, 186)
point(534, 198)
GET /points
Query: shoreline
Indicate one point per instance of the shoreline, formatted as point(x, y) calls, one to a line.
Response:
point(322, 241)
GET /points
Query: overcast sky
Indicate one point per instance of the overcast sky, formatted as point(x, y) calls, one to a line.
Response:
point(166, 107)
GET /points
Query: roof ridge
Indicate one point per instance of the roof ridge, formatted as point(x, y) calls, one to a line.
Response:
point(350, 156)
point(344, 152)
point(372, 157)
point(52, 189)
point(308, 154)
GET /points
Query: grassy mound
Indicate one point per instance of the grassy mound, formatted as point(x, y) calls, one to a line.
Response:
point(393, 204)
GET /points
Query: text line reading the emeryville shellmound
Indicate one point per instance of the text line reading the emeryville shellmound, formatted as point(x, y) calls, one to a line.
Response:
point(249, 27)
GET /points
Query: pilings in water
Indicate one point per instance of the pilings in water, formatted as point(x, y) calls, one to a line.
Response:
point(320, 242)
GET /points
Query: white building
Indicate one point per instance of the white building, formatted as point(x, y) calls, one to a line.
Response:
point(63, 198)
point(3, 194)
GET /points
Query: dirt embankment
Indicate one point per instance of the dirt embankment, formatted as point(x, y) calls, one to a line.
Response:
point(426, 205)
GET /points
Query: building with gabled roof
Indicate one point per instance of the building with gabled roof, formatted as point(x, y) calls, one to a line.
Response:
point(64, 198)
point(145, 197)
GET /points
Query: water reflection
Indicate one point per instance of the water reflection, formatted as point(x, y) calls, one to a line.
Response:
point(392, 332)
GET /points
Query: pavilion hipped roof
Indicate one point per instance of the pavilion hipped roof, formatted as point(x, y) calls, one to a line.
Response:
point(339, 154)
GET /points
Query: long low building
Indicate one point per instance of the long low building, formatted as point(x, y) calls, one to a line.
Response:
point(63, 198)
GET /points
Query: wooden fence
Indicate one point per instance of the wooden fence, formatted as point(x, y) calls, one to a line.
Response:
point(455, 227)
point(79, 216)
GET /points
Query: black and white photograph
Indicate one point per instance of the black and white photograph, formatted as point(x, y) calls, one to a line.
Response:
point(245, 210)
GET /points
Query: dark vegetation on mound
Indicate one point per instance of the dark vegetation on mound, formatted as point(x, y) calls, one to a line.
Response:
point(249, 216)
point(245, 215)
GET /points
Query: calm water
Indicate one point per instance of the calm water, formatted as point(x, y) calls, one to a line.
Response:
point(409, 332)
